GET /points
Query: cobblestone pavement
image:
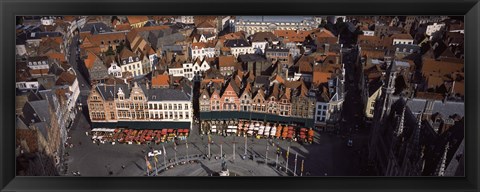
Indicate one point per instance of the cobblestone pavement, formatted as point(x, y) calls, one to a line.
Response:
point(328, 155)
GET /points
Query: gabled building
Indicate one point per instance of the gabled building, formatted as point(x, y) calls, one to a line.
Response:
point(131, 62)
point(96, 69)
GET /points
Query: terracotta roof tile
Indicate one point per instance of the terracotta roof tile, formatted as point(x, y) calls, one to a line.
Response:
point(433, 67)
point(137, 19)
point(226, 61)
point(160, 80)
point(428, 95)
point(402, 36)
point(321, 77)
point(66, 78)
point(91, 57)
point(292, 35)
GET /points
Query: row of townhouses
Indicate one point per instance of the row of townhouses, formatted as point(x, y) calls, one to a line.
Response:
point(139, 106)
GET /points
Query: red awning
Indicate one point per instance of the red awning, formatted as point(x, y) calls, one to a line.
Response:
point(180, 131)
point(186, 130)
point(164, 131)
point(303, 129)
point(170, 130)
point(302, 136)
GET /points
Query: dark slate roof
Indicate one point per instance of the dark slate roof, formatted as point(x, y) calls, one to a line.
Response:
point(109, 92)
point(277, 50)
point(96, 28)
point(407, 46)
point(447, 108)
point(262, 80)
point(161, 94)
point(143, 125)
point(43, 127)
point(173, 48)
point(374, 85)
point(275, 18)
point(251, 58)
point(39, 35)
point(41, 108)
point(236, 43)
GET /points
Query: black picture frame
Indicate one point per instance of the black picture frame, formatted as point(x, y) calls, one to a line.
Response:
point(9, 8)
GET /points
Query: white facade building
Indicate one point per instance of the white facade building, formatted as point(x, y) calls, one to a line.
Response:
point(115, 70)
point(368, 33)
point(431, 29)
point(40, 62)
point(132, 64)
point(169, 105)
point(176, 71)
point(402, 41)
point(201, 50)
point(47, 20)
point(185, 19)
point(27, 85)
point(321, 112)
point(254, 24)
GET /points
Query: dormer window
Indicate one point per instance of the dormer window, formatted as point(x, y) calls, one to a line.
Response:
point(137, 59)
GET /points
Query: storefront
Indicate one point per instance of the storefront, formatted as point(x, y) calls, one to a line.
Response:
point(230, 115)
point(142, 125)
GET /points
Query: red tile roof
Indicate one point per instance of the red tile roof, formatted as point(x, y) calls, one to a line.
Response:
point(160, 80)
point(137, 19)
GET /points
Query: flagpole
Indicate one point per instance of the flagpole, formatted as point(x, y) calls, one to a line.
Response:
point(295, 168)
point(209, 153)
point(245, 145)
point(221, 151)
point(156, 169)
point(155, 161)
point(233, 154)
point(164, 157)
point(276, 161)
point(175, 149)
point(266, 155)
point(301, 169)
point(286, 165)
point(186, 146)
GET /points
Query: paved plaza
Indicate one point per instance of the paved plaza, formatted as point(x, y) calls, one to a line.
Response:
point(328, 155)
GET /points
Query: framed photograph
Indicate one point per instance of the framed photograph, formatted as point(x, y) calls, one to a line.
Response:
point(273, 95)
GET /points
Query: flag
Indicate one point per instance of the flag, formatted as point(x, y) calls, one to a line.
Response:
point(148, 164)
point(175, 145)
point(156, 160)
point(209, 139)
point(164, 151)
point(288, 151)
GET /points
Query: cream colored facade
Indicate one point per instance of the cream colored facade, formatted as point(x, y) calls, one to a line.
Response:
point(370, 105)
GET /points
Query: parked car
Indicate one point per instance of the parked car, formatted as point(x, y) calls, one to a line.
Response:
point(154, 153)
point(350, 143)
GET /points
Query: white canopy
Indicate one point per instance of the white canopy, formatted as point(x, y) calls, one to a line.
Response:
point(103, 130)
